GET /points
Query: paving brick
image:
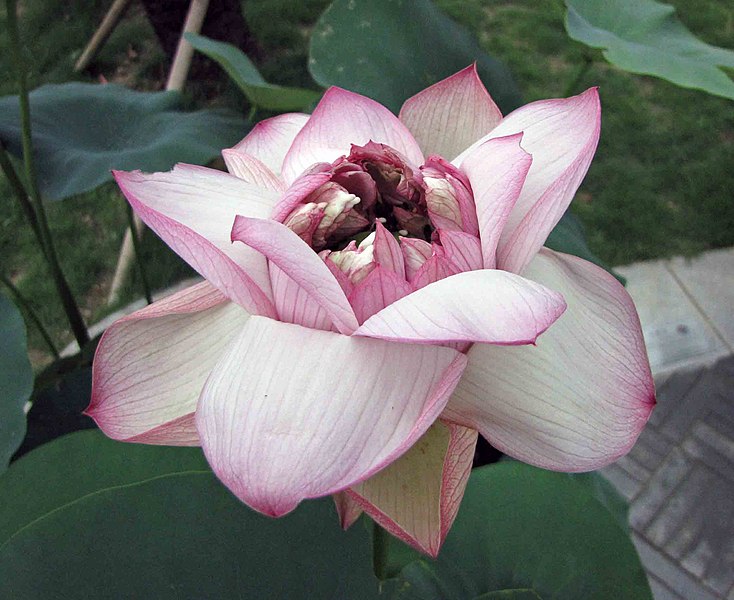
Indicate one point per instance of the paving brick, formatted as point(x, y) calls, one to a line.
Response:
point(671, 394)
point(647, 455)
point(621, 480)
point(709, 280)
point(669, 572)
point(633, 468)
point(679, 514)
point(675, 331)
point(706, 445)
point(671, 472)
point(694, 406)
point(712, 555)
point(655, 441)
point(660, 591)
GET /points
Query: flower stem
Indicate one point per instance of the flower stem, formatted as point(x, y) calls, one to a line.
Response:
point(23, 302)
point(20, 193)
point(62, 287)
point(138, 255)
point(380, 540)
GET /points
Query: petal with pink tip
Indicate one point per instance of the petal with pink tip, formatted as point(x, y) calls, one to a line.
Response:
point(250, 169)
point(452, 114)
point(192, 209)
point(347, 509)
point(294, 304)
point(417, 497)
point(415, 253)
point(497, 170)
point(341, 119)
point(291, 413)
point(270, 140)
point(387, 251)
point(579, 399)
point(299, 190)
point(561, 135)
point(462, 249)
point(488, 306)
point(435, 268)
point(380, 288)
point(297, 260)
point(150, 366)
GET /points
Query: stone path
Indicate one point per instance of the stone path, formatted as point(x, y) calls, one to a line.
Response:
point(679, 477)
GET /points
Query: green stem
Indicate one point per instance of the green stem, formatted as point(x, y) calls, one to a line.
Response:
point(138, 254)
point(380, 540)
point(22, 301)
point(580, 74)
point(20, 193)
point(62, 287)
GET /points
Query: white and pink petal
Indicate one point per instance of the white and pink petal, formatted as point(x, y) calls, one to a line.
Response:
point(291, 413)
point(192, 209)
point(497, 170)
point(488, 306)
point(417, 497)
point(150, 366)
point(343, 119)
point(270, 139)
point(300, 263)
point(250, 169)
point(449, 116)
point(579, 398)
point(561, 135)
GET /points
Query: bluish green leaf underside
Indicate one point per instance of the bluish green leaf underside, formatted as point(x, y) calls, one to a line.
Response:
point(645, 37)
point(82, 131)
point(244, 73)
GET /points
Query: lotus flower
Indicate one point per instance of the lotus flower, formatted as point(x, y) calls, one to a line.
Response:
point(377, 292)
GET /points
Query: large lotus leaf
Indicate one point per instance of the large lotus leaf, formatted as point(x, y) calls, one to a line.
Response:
point(244, 73)
point(127, 521)
point(644, 36)
point(524, 530)
point(391, 49)
point(86, 517)
point(16, 380)
point(81, 131)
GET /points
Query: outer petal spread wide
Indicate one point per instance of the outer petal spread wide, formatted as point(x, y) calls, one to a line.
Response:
point(270, 140)
point(291, 413)
point(561, 135)
point(576, 401)
point(452, 114)
point(192, 209)
point(487, 305)
point(340, 120)
point(299, 262)
point(150, 366)
point(417, 497)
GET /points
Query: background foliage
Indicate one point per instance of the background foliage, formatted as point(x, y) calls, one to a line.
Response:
point(660, 185)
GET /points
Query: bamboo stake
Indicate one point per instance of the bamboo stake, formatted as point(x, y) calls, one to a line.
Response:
point(106, 27)
point(176, 80)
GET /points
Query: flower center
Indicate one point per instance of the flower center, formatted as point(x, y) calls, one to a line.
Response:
point(373, 183)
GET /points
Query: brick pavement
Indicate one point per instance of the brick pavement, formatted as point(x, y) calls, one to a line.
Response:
point(679, 480)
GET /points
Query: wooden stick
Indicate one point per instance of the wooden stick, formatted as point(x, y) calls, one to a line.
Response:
point(185, 51)
point(106, 27)
point(176, 80)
